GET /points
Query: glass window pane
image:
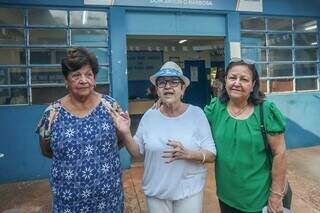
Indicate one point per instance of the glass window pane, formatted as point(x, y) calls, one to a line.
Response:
point(89, 37)
point(252, 23)
point(103, 74)
point(51, 94)
point(280, 55)
point(12, 75)
point(102, 55)
point(306, 69)
point(306, 39)
point(279, 24)
point(306, 54)
point(306, 84)
point(47, 17)
point(47, 55)
point(88, 19)
point(11, 36)
point(253, 38)
point(12, 56)
point(279, 39)
point(48, 36)
point(263, 86)
point(281, 85)
point(43, 75)
point(278, 70)
point(305, 25)
point(11, 16)
point(254, 54)
point(262, 70)
point(103, 89)
point(13, 96)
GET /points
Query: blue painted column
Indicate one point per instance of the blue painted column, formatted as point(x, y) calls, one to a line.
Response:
point(118, 66)
point(232, 42)
point(118, 51)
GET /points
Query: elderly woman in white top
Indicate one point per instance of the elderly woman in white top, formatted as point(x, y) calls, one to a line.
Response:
point(175, 141)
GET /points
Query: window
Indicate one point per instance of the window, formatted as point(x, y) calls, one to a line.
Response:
point(32, 44)
point(286, 51)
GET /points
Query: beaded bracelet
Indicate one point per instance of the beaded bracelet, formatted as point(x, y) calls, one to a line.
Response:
point(281, 194)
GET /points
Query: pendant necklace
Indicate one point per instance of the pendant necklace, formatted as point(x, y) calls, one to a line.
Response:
point(239, 112)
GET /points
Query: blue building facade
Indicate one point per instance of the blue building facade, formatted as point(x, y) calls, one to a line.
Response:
point(132, 39)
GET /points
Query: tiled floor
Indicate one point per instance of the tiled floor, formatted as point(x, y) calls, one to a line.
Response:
point(303, 172)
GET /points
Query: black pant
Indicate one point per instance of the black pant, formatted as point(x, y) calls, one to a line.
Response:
point(225, 208)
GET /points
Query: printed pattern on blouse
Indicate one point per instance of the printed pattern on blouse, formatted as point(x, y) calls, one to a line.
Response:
point(86, 172)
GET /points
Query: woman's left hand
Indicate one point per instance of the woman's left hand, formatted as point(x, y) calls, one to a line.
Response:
point(176, 151)
point(275, 204)
point(122, 121)
point(157, 104)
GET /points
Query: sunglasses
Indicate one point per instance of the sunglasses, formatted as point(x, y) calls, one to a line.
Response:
point(242, 60)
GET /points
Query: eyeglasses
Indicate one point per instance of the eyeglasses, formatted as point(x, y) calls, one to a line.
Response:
point(242, 60)
point(171, 83)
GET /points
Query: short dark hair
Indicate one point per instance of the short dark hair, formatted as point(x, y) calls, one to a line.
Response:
point(77, 58)
point(256, 96)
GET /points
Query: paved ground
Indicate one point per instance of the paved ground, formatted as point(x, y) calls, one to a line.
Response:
point(304, 175)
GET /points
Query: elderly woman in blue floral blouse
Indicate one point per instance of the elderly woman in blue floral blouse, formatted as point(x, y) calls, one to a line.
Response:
point(78, 133)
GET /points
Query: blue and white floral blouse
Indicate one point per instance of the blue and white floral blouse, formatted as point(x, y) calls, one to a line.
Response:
point(85, 173)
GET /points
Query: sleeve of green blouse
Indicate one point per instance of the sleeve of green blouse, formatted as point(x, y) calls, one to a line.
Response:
point(274, 119)
point(210, 109)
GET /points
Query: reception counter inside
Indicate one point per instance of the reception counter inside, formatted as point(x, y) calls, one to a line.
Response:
point(139, 106)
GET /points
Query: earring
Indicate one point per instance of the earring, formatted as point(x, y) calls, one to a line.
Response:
point(67, 86)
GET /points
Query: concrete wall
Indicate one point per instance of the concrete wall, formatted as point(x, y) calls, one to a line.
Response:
point(22, 158)
point(302, 111)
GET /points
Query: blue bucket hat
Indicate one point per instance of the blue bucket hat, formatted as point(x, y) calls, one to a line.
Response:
point(170, 69)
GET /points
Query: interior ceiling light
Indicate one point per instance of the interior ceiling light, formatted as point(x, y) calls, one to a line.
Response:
point(314, 43)
point(182, 41)
point(84, 17)
point(312, 27)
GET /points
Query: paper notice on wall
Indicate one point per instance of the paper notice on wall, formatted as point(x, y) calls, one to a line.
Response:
point(193, 74)
point(250, 5)
point(235, 51)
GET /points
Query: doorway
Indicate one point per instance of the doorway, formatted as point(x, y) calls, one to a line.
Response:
point(196, 56)
point(198, 91)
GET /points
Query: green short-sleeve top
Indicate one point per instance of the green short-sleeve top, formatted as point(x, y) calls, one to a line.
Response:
point(243, 173)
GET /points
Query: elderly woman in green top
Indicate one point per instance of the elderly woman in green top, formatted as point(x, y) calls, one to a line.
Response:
point(245, 182)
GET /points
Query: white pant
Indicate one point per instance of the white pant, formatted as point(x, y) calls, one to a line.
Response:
point(191, 204)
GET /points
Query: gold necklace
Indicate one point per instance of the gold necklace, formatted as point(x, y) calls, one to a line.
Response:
point(242, 110)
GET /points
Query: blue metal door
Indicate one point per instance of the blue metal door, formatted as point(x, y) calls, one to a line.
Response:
point(197, 93)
